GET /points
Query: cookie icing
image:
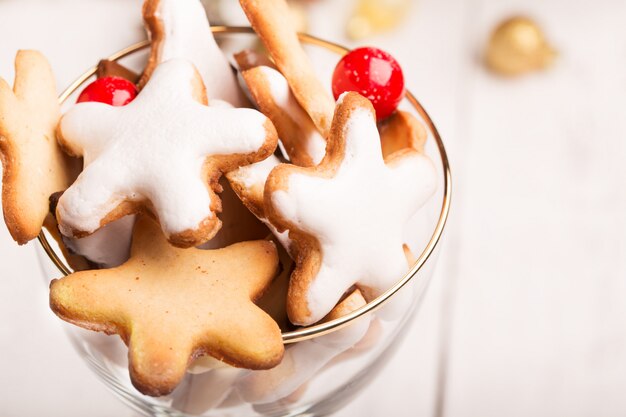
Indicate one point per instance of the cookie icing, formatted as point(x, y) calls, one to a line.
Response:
point(357, 215)
point(152, 150)
point(109, 246)
point(187, 34)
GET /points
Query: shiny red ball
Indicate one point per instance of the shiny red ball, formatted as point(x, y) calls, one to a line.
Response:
point(374, 74)
point(115, 91)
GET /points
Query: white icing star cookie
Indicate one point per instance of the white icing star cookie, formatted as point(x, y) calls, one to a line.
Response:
point(346, 216)
point(180, 29)
point(162, 153)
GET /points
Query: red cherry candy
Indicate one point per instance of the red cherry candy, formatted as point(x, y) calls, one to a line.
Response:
point(374, 74)
point(115, 91)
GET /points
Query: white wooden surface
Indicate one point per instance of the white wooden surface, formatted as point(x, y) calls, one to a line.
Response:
point(526, 315)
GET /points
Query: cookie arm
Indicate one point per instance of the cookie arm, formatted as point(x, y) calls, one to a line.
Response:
point(157, 357)
point(415, 174)
point(87, 204)
point(85, 299)
point(237, 136)
point(87, 126)
point(251, 339)
point(34, 79)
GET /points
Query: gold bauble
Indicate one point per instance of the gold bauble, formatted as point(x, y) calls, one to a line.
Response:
point(373, 16)
point(518, 46)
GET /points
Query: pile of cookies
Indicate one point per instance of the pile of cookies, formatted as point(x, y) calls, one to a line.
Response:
point(207, 209)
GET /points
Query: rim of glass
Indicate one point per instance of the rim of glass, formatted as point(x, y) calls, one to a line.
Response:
point(316, 330)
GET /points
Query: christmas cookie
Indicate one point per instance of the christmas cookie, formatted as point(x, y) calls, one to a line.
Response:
point(34, 167)
point(272, 22)
point(180, 29)
point(346, 216)
point(171, 305)
point(163, 154)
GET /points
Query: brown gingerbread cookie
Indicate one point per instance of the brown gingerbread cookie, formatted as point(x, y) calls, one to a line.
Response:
point(171, 305)
point(34, 167)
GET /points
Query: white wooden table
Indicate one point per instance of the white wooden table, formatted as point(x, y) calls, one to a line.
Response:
point(526, 315)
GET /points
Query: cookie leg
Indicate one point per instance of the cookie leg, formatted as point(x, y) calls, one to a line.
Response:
point(153, 371)
point(198, 201)
point(83, 209)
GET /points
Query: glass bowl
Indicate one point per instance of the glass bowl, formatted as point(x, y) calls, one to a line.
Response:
point(325, 365)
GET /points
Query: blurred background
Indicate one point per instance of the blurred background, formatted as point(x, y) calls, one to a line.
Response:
point(526, 314)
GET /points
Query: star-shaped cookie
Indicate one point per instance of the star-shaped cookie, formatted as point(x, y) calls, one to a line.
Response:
point(346, 216)
point(33, 163)
point(163, 153)
point(171, 305)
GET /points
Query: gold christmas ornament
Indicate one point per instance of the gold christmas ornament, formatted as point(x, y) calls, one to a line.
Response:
point(372, 16)
point(518, 46)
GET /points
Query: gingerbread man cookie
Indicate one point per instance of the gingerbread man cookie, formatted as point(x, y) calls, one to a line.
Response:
point(162, 153)
point(34, 167)
point(346, 216)
point(170, 305)
point(180, 29)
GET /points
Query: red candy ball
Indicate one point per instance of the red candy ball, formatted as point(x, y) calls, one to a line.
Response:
point(115, 91)
point(374, 74)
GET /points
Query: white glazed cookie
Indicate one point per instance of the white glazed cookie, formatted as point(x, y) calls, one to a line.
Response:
point(108, 247)
point(180, 29)
point(163, 153)
point(346, 216)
